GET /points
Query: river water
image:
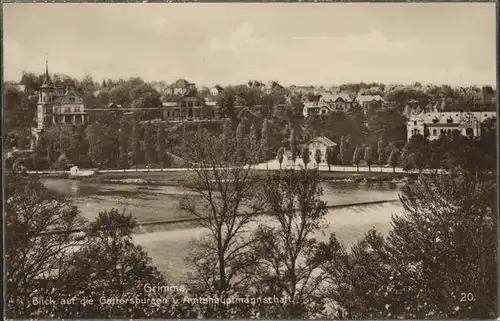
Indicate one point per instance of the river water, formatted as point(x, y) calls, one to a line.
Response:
point(168, 248)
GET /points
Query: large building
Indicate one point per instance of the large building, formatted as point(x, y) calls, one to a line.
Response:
point(58, 105)
point(189, 108)
point(340, 102)
point(432, 125)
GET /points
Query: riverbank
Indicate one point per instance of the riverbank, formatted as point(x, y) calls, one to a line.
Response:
point(181, 178)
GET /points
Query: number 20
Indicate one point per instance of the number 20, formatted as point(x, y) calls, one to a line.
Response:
point(466, 297)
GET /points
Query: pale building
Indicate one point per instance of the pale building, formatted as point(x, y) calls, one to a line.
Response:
point(315, 108)
point(322, 143)
point(432, 125)
point(216, 90)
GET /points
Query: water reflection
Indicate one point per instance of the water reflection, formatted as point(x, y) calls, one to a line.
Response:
point(70, 188)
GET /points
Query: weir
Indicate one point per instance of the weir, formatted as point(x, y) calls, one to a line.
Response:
point(169, 244)
point(146, 227)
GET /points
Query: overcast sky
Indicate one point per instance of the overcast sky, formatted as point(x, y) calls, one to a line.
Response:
point(301, 44)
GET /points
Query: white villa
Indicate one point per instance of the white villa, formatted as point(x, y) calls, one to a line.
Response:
point(433, 124)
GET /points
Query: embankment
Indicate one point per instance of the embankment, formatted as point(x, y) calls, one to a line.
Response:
point(180, 178)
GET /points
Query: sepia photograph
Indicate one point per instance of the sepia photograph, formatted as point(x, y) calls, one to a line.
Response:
point(250, 160)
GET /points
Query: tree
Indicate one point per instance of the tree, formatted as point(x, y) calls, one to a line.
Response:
point(148, 144)
point(456, 239)
point(415, 153)
point(393, 158)
point(280, 155)
point(387, 124)
point(449, 225)
point(225, 206)
point(306, 158)
point(369, 157)
point(317, 156)
point(103, 143)
point(241, 130)
point(136, 144)
point(161, 144)
point(293, 145)
point(285, 251)
point(381, 152)
point(110, 265)
point(227, 133)
point(343, 151)
point(254, 134)
point(123, 142)
point(331, 156)
point(264, 141)
point(357, 157)
point(227, 101)
point(35, 260)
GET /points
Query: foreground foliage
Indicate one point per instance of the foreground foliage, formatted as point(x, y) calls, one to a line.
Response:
point(439, 260)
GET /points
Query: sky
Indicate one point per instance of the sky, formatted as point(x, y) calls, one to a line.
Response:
point(294, 44)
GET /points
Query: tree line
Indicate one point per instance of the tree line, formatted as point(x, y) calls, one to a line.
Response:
point(280, 110)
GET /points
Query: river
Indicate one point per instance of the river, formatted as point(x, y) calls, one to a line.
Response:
point(168, 248)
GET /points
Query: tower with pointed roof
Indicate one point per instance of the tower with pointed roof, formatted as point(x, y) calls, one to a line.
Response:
point(58, 105)
point(45, 100)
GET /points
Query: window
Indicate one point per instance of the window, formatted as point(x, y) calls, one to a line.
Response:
point(434, 132)
point(43, 99)
point(415, 123)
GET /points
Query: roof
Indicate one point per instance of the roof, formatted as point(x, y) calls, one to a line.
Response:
point(335, 97)
point(113, 105)
point(180, 83)
point(456, 116)
point(169, 104)
point(324, 140)
point(218, 87)
point(369, 98)
point(274, 84)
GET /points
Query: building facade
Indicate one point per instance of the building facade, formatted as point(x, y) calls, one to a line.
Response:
point(369, 102)
point(216, 90)
point(188, 109)
point(432, 125)
point(58, 105)
point(337, 102)
point(315, 108)
point(319, 143)
point(181, 87)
